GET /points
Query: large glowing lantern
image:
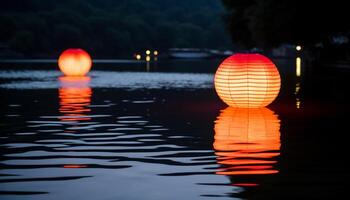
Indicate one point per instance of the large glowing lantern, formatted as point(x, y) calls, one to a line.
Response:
point(247, 141)
point(75, 98)
point(74, 62)
point(247, 81)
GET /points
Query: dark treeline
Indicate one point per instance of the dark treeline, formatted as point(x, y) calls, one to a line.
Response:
point(109, 28)
point(319, 26)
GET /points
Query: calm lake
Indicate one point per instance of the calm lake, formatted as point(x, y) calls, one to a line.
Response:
point(159, 131)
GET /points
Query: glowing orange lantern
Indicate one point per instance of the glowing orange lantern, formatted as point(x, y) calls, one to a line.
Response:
point(247, 141)
point(74, 62)
point(75, 97)
point(247, 81)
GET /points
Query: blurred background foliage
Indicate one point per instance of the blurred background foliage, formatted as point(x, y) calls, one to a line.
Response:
point(110, 28)
point(321, 27)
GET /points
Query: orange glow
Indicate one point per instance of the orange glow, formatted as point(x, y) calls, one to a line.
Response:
point(247, 81)
point(74, 62)
point(74, 166)
point(247, 141)
point(75, 97)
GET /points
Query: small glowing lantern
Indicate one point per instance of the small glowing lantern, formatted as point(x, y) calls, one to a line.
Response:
point(148, 58)
point(247, 81)
point(138, 57)
point(155, 53)
point(247, 141)
point(74, 62)
point(148, 52)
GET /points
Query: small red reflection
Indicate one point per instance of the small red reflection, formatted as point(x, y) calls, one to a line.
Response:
point(245, 184)
point(75, 97)
point(74, 166)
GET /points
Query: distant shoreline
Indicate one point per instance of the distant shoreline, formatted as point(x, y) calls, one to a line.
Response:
point(55, 61)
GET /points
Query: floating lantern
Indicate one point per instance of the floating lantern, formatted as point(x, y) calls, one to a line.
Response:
point(247, 81)
point(74, 62)
point(75, 98)
point(247, 141)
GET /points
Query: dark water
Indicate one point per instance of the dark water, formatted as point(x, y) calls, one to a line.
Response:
point(164, 134)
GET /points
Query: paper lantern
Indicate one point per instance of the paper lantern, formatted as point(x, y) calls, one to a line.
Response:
point(75, 98)
point(247, 141)
point(247, 81)
point(74, 62)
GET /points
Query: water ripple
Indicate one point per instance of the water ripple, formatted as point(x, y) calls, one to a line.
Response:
point(40, 79)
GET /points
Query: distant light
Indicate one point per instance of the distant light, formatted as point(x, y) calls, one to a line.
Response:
point(74, 62)
point(298, 48)
point(138, 57)
point(148, 52)
point(155, 53)
point(298, 67)
point(148, 58)
point(247, 81)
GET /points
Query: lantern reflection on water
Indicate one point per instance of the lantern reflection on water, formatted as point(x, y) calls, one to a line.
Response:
point(247, 141)
point(247, 81)
point(75, 97)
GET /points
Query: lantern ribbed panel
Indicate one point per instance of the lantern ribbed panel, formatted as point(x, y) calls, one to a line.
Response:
point(247, 81)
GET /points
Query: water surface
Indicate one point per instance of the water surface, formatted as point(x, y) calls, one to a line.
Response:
point(165, 134)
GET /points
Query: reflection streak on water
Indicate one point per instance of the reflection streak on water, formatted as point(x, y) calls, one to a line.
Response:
point(247, 141)
point(75, 97)
point(298, 82)
point(298, 66)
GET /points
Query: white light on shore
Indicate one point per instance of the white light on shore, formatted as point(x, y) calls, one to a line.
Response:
point(298, 48)
point(138, 57)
